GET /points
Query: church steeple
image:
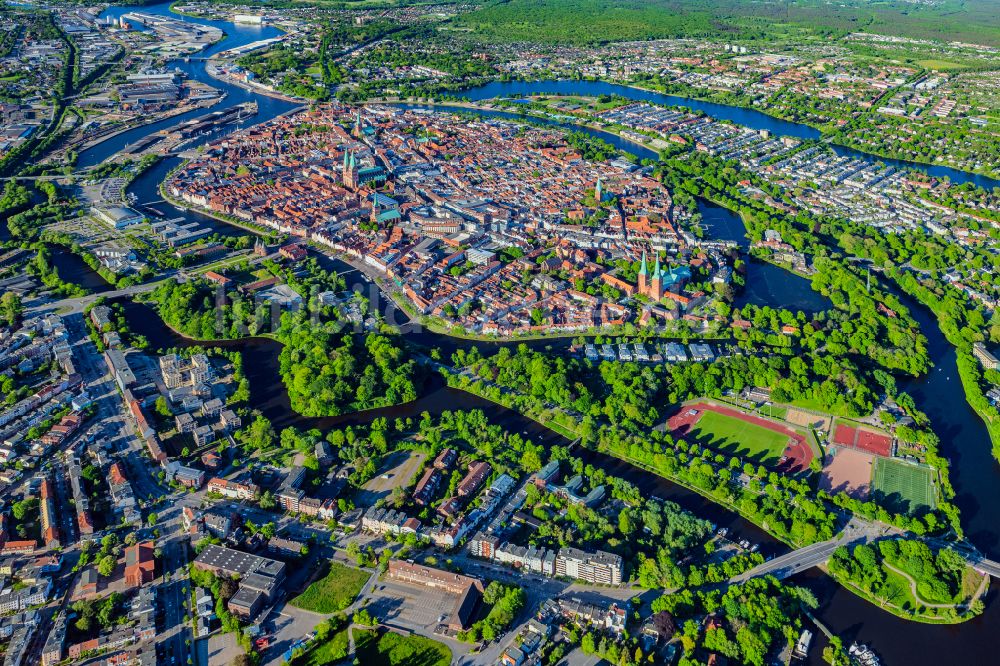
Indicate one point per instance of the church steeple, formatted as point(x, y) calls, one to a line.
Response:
point(350, 171)
point(643, 274)
point(656, 291)
point(598, 193)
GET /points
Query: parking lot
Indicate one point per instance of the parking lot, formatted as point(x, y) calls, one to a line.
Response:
point(396, 470)
point(219, 648)
point(415, 608)
point(287, 626)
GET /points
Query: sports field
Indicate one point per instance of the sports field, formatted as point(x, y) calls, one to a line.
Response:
point(863, 439)
point(740, 437)
point(906, 487)
point(847, 471)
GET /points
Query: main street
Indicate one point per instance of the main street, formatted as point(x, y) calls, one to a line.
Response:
point(175, 597)
point(113, 425)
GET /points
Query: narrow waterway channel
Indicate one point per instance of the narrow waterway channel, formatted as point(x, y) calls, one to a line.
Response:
point(975, 475)
point(268, 394)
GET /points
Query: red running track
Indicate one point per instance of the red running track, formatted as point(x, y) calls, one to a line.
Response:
point(798, 452)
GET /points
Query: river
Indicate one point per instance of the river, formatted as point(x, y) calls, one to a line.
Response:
point(975, 474)
point(754, 119)
point(236, 35)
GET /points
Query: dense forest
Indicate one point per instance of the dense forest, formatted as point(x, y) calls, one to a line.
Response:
point(602, 21)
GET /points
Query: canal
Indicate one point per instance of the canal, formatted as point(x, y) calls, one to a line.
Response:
point(975, 474)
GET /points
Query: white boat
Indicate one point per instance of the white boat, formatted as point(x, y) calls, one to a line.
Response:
point(802, 645)
point(862, 654)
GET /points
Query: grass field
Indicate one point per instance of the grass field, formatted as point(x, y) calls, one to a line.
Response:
point(731, 434)
point(906, 487)
point(330, 652)
point(392, 649)
point(940, 65)
point(335, 591)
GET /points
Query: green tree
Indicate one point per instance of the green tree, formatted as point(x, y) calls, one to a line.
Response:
point(106, 565)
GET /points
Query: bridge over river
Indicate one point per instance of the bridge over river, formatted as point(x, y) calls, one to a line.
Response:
point(856, 532)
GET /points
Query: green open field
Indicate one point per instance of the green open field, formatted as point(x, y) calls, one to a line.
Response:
point(739, 437)
point(331, 651)
point(335, 591)
point(940, 65)
point(392, 649)
point(906, 486)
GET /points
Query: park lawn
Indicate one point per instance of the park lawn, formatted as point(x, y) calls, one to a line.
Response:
point(897, 591)
point(334, 592)
point(906, 486)
point(740, 437)
point(392, 649)
point(971, 580)
point(816, 406)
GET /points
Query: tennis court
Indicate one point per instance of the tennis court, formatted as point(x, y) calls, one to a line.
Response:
point(863, 439)
point(902, 486)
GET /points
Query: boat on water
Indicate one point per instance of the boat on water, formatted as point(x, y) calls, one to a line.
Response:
point(862, 654)
point(802, 645)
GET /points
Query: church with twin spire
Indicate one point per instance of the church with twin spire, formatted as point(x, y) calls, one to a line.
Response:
point(651, 284)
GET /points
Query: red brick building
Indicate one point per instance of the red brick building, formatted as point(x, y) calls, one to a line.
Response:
point(140, 564)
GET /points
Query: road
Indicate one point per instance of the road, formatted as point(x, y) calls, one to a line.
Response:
point(114, 426)
point(175, 596)
point(174, 592)
point(987, 567)
point(856, 532)
point(77, 304)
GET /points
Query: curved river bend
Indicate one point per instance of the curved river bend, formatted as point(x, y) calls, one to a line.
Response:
point(975, 474)
point(747, 117)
